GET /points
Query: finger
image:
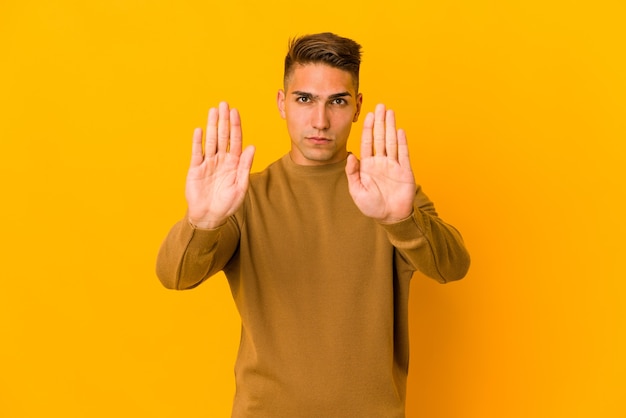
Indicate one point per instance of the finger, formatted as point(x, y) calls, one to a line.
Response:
point(245, 164)
point(352, 170)
point(236, 136)
point(403, 150)
point(366, 136)
point(379, 130)
point(196, 147)
point(391, 140)
point(210, 146)
point(223, 127)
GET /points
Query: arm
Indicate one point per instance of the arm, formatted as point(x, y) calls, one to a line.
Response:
point(428, 244)
point(217, 182)
point(383, 187)
point(188, 255)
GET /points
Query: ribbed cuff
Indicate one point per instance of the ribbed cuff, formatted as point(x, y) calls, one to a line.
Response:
point(201, 238)
point(405, 233)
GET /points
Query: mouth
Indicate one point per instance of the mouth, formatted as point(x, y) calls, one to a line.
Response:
point(318, 140)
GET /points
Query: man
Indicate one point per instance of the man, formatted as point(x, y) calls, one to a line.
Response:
point(318, 249)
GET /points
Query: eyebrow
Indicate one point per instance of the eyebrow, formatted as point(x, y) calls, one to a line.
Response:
point(313, 96)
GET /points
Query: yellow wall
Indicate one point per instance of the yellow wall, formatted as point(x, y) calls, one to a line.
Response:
point(516, 116)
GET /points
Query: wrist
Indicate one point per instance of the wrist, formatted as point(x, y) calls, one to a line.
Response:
point(395, 219)
point(204, 224)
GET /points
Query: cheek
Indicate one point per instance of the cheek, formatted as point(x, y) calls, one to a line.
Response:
point(296, 118)
point(343, 118)
point(343, 122)
point(294, 124)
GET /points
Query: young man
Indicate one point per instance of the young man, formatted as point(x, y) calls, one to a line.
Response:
point(318, 249)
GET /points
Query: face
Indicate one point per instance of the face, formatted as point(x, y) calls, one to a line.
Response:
point(320, 104)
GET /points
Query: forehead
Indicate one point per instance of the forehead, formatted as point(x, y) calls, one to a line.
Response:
point(319, 79)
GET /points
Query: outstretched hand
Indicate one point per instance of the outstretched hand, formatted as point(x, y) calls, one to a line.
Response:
point(218, 177)
point(382, 183)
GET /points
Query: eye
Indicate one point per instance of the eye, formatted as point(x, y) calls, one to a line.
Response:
point(338, 101)
point(303, 99)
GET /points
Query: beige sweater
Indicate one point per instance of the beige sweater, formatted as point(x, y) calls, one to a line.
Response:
point(322, 292)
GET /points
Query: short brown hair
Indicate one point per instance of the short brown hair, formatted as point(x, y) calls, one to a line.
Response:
point(326, 48)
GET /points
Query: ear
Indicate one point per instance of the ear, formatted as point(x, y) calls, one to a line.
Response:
point(280, 102)
point(359, 102)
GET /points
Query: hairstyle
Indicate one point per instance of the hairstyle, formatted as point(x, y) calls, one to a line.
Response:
point(326, 48)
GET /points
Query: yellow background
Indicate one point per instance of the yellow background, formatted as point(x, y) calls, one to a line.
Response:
point(516, 117)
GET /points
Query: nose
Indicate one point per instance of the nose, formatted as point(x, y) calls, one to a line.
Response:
point(320, 121)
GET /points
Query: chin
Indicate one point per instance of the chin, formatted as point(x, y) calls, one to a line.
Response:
point(324, 159)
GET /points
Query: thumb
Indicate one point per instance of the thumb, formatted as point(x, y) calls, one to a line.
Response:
point(245, 161)
point(352, 169)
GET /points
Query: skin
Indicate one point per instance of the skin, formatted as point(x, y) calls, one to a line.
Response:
point(319, 105)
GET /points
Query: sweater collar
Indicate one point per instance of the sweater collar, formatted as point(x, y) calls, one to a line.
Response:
point(312, 170)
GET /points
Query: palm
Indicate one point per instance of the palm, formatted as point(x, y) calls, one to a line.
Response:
point(385, 187)
point(214, 186)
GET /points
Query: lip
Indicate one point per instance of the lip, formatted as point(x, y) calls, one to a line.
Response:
point(318, 139)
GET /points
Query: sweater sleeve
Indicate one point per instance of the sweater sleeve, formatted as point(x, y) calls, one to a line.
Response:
point(188, 256)
point(428, 244)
